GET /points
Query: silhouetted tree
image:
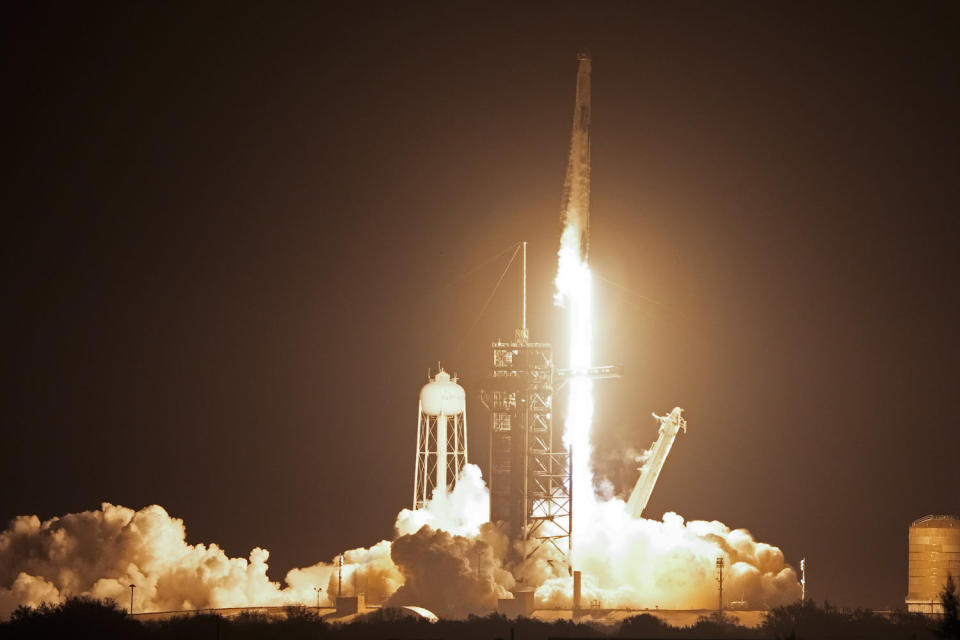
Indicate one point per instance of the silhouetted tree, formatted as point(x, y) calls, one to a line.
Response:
point(806, 621)
point(87, 618)
point(79, 617)
point(950, 625)
point(644, 625)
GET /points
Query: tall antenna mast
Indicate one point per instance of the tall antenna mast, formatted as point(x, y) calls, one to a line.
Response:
point(523, 333)
point(523, 300)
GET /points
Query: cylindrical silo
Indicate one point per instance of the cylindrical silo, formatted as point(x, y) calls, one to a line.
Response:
point(934, 552)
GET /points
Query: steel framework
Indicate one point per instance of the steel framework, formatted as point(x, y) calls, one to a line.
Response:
point(529, 479)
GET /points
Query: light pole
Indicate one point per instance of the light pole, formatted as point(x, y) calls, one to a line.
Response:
point(803, 580)
point(132, 587)
point(318, 590)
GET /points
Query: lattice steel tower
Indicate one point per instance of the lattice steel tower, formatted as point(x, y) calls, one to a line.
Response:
point(529, 479)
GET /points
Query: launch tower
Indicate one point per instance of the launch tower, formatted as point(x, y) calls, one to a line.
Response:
point(529, 479)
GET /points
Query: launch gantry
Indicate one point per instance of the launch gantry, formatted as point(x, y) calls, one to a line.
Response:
point(529, 479)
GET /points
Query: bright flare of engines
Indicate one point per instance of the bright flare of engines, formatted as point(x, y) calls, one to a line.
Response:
point(574, 292)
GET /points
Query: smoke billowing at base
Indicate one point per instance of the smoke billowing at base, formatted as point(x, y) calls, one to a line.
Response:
point(446, 558)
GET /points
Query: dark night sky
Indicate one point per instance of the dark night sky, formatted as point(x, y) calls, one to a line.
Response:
point(235, 235)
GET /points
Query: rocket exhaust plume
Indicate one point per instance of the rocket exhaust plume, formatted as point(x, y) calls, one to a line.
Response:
point(627, 560)
point(573, 283)
point(575, 204)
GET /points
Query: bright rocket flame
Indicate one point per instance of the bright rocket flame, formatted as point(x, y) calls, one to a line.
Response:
point(574, 291)
point(609, 541)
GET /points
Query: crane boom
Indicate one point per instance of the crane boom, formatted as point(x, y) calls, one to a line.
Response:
point(669, 427)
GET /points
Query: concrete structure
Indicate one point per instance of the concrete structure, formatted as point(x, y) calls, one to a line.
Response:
point(934, 552)
point(441, 437)
point(577, 592)
point(521, 604)
point(347, 605)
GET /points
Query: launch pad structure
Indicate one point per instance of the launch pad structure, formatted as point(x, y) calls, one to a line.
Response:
point(530, 475)
point(529, 478)
point(531, 489)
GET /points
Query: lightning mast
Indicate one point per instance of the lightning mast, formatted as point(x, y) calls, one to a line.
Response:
point(529, 493)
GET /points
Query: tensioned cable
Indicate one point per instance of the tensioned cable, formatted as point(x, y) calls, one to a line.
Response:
point(432, 291)
point(487, 303)
point(615, 285)
point(480, 266)
point(630, 291)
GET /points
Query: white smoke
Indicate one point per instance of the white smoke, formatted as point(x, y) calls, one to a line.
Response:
point(100, 553)
point(445, 557)
point(461, 512)
point(670, 564)
point(453, 575)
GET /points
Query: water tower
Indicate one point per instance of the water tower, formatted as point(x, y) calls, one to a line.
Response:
point(441, 438)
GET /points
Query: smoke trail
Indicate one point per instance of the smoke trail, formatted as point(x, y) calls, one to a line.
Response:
point(574, 291)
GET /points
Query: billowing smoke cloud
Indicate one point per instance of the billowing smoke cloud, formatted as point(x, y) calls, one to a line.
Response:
point(101, 553)
point(452, 575)
point(446, 558)
point(368, 571)
point(670, 564)
point(462, 511)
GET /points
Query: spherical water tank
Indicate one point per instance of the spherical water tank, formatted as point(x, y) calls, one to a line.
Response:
point(934, 547)
point(442, 395)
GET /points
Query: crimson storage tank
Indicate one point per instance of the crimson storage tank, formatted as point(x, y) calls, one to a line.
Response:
point(934, 552)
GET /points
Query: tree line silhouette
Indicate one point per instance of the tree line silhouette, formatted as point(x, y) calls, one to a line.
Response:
point(83, 618)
